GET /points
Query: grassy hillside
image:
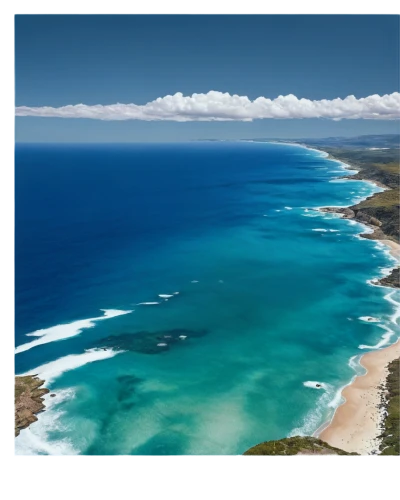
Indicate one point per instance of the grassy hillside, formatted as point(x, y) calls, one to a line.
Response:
point(391, 434)
point(298, 445)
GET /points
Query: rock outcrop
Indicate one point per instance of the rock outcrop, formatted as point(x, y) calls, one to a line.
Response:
point(28, 400)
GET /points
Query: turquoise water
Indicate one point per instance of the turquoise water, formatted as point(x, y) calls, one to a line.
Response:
point(261, 296)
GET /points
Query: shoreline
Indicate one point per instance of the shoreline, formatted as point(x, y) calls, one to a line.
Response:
point(357, 423)
point(349, 428)
point(28, 400)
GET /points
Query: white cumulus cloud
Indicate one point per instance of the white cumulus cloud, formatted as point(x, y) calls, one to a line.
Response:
point(219, 106)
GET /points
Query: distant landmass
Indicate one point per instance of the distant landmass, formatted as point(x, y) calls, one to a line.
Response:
point(377, 141)
point(361, 141)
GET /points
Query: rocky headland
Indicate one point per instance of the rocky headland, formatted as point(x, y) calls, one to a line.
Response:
point(379, 212)
point(298, 445)
point(28, 400)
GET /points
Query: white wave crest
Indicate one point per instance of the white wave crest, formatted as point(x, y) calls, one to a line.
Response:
point(396, 315)
point(320, 230)
point(61, 332)
point(164, 296)
point(52, 370)
point(147, 303)
point(313, 419)
point(385, 339)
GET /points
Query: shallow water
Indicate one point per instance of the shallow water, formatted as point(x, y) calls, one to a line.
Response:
point(188, 296)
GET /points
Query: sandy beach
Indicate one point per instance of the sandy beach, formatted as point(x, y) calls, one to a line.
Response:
point(394, 248)
point(356, 423)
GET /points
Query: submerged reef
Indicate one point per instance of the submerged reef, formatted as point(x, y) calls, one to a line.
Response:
point(147, 342)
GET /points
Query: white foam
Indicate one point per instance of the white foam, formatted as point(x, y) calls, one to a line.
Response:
point(315, 385)
point(161, 344)
point(61, 332)
point(353, 362)
point(337, 398)
point(147, 303)
point(396, 315)
point(385, 339)
point(278, 210)
point(333, 230)
point(34, 440)
point(369, 319)
point(164, 296)
point(52, 370)
point(320, 230)
point(288, 208)
point(385, 271)
point(183, 337)
point(194, 281)
point(312, 420)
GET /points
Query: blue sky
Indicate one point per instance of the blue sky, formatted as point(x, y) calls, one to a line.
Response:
point(68, 60)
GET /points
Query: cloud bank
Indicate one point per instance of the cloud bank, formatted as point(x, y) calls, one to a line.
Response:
point(219, 106)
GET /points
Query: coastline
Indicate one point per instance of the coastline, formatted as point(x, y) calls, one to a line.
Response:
point(357, 424)
point(393, 248)
point(28, 400)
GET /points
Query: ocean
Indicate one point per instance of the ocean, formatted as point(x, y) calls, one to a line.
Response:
point(188, 298)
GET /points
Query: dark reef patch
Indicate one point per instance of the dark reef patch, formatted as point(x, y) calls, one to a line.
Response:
point(147, 342)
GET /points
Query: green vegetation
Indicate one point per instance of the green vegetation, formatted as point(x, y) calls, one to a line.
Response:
point(297, 445)
point(391, 434)
point(381, 211)
point(386, 199)
point(391, 167)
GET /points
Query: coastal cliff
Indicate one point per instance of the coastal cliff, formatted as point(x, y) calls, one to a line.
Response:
point(380, 212)
point(28, 400)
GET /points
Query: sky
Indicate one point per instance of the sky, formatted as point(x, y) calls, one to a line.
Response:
point(104, 60)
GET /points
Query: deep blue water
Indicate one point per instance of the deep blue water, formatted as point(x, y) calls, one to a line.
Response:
point(265, 302)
